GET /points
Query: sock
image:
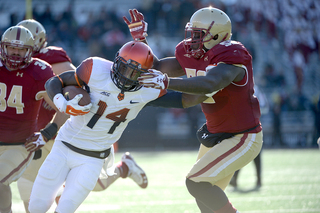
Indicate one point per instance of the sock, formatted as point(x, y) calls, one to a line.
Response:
point(123, 168)
point(228, 208)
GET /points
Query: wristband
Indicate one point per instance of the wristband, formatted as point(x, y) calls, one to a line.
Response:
point(49, 131)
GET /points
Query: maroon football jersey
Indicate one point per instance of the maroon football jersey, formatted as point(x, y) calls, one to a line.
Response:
point(52, 55)
point(236, 108)
point(19, 107)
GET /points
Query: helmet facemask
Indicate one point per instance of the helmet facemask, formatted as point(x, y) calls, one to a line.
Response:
point(125, 74)
point(195, 38)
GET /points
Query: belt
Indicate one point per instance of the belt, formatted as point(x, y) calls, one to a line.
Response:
point(10, 144)
point(96, 154)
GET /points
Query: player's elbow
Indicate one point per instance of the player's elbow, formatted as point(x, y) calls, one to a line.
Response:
point(51, 82)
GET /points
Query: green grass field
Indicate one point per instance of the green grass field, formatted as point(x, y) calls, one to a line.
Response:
point(290, 184)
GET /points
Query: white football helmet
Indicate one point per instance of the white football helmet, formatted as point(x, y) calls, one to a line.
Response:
point(38, 32)
point(207, 27)
point(19, 37)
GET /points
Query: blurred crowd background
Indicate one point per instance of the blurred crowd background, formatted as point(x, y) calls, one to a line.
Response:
point(283, 36)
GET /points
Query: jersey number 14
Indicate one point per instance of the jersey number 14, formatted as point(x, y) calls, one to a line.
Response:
point(117, 117)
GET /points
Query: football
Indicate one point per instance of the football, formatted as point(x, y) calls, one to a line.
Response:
point(70, 92)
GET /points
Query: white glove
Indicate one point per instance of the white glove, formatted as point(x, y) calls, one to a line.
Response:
point(35, 142)
point(154, 79)
point(72, 106)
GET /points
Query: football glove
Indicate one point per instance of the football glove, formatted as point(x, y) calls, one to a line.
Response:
point(154, 79)
point(72, 106)
point(34, 142)
point(138, 27)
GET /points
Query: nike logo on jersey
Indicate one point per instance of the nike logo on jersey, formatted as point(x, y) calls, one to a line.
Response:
point(133, 102)
point(105, 93)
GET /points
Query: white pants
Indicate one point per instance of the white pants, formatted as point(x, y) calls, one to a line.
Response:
point(79, 172)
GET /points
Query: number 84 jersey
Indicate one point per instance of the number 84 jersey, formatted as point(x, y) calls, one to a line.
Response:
point(20, 94)
point(109, 116)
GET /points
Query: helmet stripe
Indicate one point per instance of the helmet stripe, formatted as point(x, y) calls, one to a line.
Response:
point(18, 34)
point(224, 38)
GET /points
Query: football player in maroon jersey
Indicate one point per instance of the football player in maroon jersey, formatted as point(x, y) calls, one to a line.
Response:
point(221, 69)
point(22, 80)
point(60, 62)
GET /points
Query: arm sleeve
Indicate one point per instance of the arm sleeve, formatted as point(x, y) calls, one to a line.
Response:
point(172, 99)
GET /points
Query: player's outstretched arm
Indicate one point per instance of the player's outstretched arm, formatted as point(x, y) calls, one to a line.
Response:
point(170, 66)
point(217, 78)
point(138, 29)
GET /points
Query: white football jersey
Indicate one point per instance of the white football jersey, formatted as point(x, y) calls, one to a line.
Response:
point(108, 117)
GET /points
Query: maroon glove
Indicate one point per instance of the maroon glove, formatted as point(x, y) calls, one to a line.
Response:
point(35, 142)
point(138, 27)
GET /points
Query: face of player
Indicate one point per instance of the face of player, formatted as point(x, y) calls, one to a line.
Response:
point(129, 72)
point(196, 37)
point(16, 55)
point(195, 40)
point(16, 51)
point(125, 74)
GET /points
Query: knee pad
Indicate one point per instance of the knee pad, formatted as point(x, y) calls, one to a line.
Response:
point(66, 206)
point(38, 206)
point(25, 187)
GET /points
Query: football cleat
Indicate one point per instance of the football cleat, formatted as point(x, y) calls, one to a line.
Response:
point(135, 172)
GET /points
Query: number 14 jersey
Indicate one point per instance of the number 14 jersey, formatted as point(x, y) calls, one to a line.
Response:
point(109, 116)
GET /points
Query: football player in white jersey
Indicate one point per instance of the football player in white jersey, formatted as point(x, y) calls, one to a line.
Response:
point(60, 62)
point(84, 143)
